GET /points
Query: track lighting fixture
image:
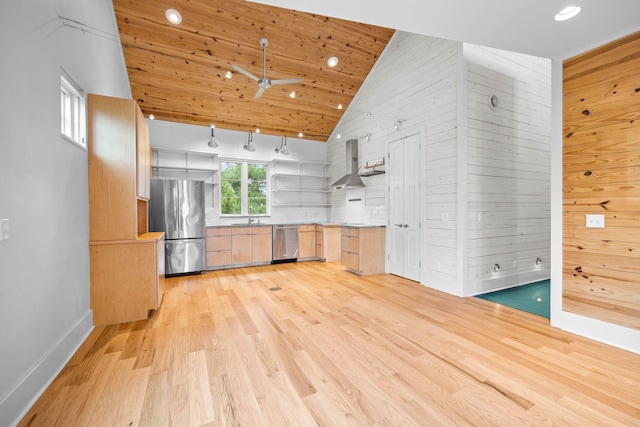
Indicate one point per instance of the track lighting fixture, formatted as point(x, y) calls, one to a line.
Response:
point(398, 124)
point(496, 267)
point(249, 146)
point(367, 137)
point(283, 146)
point(212, 142)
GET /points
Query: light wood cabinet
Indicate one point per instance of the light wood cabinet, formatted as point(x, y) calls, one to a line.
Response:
point(262, 241)
point(328, 242)
point(119, 169)
point(218, 246)
point(127, 262)
point(306, 241)
point(229, 246)
point(362, 249)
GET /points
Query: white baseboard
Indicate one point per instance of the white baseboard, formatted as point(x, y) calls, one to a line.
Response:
point(34, 383)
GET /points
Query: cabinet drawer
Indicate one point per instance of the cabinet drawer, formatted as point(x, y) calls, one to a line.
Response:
point(217, 231)
point(241, 230)
point(218, 243)
point(350, 260)
point(306, 227)
point(349, 244)
point(350, 231)
point(217, 258)
point(261, 229)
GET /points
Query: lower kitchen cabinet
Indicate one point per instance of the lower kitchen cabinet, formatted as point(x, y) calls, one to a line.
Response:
point(362, 249)
point(328, 242)
point(262, 241)
point(241, 250)
point(306, 241)
point(234, 246)
point(127, 278)
point(218, 246)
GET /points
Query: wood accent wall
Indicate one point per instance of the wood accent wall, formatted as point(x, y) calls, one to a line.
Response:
point(601, 175)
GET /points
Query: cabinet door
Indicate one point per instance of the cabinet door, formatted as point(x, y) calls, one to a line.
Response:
point(306, 241)
point(241, 251)
point(143, 163)
point(262, 247)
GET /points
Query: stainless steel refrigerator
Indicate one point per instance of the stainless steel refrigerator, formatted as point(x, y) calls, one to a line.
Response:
point(177, 208)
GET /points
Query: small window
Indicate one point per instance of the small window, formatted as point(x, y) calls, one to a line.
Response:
point(72, 110)
point(243, 188)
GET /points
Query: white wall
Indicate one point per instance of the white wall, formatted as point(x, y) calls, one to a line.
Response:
point(44, 266)
point(177, 136)
point(507, 168)
point(486, 173)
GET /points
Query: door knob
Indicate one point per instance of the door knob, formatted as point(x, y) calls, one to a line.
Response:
point(406, 225)
point(398, 225)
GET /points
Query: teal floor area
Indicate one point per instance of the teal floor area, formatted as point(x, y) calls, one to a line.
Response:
point(532, 298)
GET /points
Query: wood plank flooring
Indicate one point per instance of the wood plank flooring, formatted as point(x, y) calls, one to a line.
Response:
point(334, 349)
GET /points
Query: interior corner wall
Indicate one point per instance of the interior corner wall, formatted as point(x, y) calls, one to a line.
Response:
point(507, 168)
point(44, 265)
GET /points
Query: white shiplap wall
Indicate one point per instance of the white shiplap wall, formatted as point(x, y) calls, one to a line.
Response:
point(508, 168)
point(415, 80)
point(486, 173)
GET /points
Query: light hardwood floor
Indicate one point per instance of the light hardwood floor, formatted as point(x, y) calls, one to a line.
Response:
point(333, 349)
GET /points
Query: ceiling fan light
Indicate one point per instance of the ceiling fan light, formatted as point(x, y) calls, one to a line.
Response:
point(332, 62)
point(567, 13)
point(173, 16)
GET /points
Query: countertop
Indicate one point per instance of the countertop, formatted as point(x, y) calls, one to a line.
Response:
point(329, 224)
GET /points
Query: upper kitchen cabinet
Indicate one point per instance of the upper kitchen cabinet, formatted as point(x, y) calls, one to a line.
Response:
point(299, 183)
point(119, 169)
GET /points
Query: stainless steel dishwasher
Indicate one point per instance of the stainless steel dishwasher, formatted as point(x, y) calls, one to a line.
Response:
point(285, 243)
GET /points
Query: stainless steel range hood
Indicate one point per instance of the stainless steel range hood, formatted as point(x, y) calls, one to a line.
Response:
point(351, 179)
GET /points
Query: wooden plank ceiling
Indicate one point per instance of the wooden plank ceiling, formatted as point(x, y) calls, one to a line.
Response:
point(177, 72)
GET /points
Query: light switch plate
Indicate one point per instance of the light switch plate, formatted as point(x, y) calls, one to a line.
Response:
point(595, 221)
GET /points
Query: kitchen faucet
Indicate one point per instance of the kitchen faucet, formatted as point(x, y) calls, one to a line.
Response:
point(250, 213)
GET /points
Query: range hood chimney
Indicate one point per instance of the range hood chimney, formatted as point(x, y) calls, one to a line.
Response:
point(351, 179)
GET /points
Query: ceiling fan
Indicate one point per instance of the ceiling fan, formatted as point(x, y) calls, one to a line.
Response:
point(264, 82)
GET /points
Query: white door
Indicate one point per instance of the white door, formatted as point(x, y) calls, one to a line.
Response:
point(404, 232)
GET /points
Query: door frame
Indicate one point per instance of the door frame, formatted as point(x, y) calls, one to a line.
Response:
point(421, 131)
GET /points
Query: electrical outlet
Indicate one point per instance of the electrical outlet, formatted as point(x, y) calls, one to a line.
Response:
point(595, 221)
point(4, 229)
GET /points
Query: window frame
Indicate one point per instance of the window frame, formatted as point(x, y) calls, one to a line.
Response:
point(244, 188)
point(72, 113)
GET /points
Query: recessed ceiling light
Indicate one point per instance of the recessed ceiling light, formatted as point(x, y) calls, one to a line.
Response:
point(173, 16)
point(332, 62)
point(152, 117)
point(292, 95)
point(567, 13)
point(228, 74)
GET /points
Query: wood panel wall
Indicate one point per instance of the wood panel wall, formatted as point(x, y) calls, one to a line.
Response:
point(601, 175)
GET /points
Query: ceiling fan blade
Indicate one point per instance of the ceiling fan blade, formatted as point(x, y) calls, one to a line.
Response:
point(245, 72)
point(259, 92)
point(285, 82)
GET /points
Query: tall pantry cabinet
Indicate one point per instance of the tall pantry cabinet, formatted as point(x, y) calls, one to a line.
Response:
point(126, 261)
